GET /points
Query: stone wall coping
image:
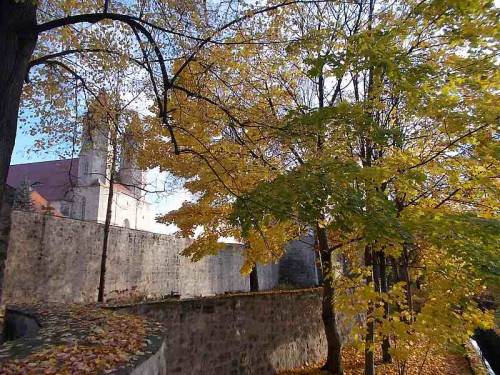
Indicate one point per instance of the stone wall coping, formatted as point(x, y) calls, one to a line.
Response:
point(65, 218)
point(228, 296)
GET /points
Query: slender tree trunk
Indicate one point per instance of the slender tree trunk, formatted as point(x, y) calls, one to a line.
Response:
point(16, 47)
point(107, 223)
point(401, 267)
point(405, 276)
point(254, 280)
point(370, 320)
point(334, 341)
point(395, 276)
point(369, 256)
point(370, 343)
point(386, 345)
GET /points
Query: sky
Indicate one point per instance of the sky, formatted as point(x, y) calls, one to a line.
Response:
point(21, 155)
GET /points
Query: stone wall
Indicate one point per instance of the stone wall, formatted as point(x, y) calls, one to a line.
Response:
point(255, 333)
point(5, 210)
point(203, 278)
point(298, 264)
point(58, 259)
point(8, 199)
point(268, 275)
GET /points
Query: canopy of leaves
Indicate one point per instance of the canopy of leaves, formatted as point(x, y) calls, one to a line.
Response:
point(375, 123)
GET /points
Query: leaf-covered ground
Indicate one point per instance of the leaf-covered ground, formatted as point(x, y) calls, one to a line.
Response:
point(435, 364)
point(80, 339)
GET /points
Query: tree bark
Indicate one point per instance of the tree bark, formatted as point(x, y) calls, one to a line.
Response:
point(107, 223)
point(334, 342)
point(386, 345)
point(405, 276)
point(254, 280)
point(16, 47)
point(370, 320)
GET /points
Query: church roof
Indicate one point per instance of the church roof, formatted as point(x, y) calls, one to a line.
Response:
point(51, 179)
point(40, 204)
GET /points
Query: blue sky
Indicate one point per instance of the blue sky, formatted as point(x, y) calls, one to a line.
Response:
point(20, 154)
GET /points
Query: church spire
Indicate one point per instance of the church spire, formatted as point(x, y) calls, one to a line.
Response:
point(94, 153)
point(130, 173)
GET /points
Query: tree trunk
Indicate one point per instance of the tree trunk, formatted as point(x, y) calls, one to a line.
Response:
point(369, 343)
point(405, 276)
point(333, 339)
point(386, 345)
point(107, 223)
point(334, 342)
point(370, 320)
point(16, 47)
point(395, 276)
point(254, 280)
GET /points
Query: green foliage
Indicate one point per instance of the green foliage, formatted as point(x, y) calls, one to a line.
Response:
point(302, 194)
point(375, 125)
point(472, 238)
point(22, 197)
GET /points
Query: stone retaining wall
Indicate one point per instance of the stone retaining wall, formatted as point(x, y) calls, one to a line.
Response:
point(58, 260)
point(298, 264)
point(255, 333)
point(5, 210)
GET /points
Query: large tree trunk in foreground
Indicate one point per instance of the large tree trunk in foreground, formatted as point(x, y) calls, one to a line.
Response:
point(334, 357)
point(16, 47)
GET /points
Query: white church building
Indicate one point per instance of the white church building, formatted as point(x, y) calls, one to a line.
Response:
point(79, 187)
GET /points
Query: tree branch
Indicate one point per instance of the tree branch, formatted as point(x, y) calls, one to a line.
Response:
point(447, 147)
point(43, 59)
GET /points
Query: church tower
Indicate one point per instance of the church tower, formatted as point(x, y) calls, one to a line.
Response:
point(130, 174)
point(93, 166)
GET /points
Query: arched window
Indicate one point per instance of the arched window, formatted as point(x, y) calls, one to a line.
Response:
point(84, 203)
point(126, 223)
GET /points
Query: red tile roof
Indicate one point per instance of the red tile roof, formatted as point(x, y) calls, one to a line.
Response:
point(40, 204)
point(51, 179)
